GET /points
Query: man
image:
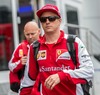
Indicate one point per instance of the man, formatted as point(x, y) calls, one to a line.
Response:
point(57, 73)
point(19, 57)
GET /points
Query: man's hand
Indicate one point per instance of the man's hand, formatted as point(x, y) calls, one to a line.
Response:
point(51, 81)
point(23, 60)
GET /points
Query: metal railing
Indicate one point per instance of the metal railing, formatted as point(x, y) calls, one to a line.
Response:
point(91, 41)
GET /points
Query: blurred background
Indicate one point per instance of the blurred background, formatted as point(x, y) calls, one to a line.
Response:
point(80, 17)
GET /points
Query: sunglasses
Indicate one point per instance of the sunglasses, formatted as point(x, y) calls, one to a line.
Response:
point(50, 18)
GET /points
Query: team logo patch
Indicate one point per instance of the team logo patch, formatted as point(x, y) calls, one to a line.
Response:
point(20, 53)
point(41, 55)
point(62, 54)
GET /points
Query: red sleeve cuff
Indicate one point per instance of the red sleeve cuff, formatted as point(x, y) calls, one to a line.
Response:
point(19, 67)
point(63, 76)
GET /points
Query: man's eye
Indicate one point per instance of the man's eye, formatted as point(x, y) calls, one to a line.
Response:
point(33, 33)
point(27, 34)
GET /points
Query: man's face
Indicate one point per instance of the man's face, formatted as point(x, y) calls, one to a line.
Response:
point(31, 34)
point(50, 22)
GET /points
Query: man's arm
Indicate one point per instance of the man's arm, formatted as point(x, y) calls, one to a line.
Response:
point(15, 63)
point(85, 66)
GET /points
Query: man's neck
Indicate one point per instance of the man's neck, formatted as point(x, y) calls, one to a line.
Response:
point(52, 37)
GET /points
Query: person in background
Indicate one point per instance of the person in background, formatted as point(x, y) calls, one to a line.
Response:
point(19, 56)
point(57, 73)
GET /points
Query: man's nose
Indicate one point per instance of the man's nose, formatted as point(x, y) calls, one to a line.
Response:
point(30, 36)
point(47, 20)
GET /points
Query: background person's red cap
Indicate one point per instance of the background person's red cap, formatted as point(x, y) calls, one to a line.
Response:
point(50, 8)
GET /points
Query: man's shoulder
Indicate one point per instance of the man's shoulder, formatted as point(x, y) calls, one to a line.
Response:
point(21, 45)
point(24, 42)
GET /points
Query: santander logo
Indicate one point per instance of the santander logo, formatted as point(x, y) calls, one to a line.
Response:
point(48, 69)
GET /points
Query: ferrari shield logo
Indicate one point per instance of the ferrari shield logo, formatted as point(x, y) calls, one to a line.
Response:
point(62, 54)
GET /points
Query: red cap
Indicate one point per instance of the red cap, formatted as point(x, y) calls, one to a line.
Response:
point(50, 8)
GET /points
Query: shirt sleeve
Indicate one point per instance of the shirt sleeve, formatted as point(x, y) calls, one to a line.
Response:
point(15, 63)
point(85, 68)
